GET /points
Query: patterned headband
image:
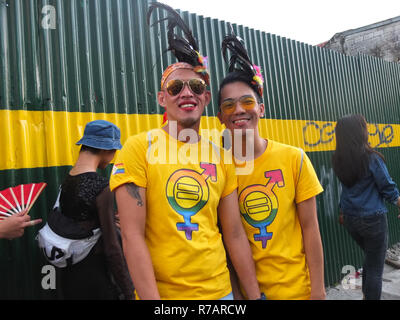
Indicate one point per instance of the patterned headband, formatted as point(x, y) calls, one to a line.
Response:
point(201, 70)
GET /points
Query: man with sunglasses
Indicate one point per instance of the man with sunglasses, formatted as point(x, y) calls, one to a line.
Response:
point(277, 200)
point(184, 96)
point(169, 210)
point(173, 188)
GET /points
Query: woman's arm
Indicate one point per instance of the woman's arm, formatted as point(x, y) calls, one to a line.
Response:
point(112, 248)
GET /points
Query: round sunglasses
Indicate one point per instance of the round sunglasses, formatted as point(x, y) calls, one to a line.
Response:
point(246, 102)
point(175, 87)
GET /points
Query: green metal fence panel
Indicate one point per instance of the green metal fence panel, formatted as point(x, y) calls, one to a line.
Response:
point(64, 62)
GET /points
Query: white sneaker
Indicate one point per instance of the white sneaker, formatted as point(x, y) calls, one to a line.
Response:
point(396, 248)
point(392, 258)
point(393, 253)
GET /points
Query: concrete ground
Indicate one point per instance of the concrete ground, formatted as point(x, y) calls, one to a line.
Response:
point(351, 290)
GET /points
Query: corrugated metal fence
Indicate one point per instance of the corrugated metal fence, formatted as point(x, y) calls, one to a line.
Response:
point(66, 62)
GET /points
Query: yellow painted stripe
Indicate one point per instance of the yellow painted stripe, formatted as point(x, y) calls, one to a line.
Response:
point(31, 139)
point(320, 135)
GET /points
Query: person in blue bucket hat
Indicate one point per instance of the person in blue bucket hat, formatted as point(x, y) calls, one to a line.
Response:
point(101, 134)
point(80, 238)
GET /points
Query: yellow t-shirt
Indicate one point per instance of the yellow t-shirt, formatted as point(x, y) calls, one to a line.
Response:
point(184, 184)
point(283, 176)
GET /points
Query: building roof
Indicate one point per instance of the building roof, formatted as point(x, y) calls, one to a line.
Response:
point(361, 29)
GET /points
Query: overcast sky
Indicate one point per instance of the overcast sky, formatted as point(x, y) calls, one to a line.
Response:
point(309, 21)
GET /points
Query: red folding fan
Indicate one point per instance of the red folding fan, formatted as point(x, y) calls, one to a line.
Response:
point(19, 198)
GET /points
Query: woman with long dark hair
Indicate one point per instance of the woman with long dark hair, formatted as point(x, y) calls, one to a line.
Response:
point(366, 184)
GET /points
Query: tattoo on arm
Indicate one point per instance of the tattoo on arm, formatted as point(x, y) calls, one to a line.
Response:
point(133, 191)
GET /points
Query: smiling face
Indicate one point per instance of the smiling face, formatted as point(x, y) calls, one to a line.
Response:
point(186, 107)
point(241, 117)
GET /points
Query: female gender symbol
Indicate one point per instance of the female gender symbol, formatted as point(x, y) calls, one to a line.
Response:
point(188, 193)
point(259, 205)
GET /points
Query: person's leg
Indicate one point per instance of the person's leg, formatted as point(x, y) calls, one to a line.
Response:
point(375, 232)
point(88, 280)
point(353, 225)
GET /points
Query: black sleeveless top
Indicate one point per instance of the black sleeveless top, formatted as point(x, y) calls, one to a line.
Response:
point(79, 193)
point(86, 203)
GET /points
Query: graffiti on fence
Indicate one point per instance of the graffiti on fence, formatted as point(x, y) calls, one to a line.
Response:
point(332, 191)
point(385, 135)
point(316, 134)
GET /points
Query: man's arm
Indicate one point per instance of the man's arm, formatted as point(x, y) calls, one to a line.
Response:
point(307, 212)
point(237, 294)
point(131, 202)
point(237, 244)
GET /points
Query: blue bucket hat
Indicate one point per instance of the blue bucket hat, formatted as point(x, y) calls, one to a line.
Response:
point(101, 134)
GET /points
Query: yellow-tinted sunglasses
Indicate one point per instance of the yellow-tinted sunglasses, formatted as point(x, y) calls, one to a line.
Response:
point(246, 102)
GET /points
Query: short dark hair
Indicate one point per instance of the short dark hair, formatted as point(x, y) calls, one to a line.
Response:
point(238, 76)
point(90, 149)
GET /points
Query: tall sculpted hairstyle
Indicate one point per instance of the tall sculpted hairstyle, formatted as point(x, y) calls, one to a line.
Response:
point(351, 158)
point(240, 67)
point(185, 49)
